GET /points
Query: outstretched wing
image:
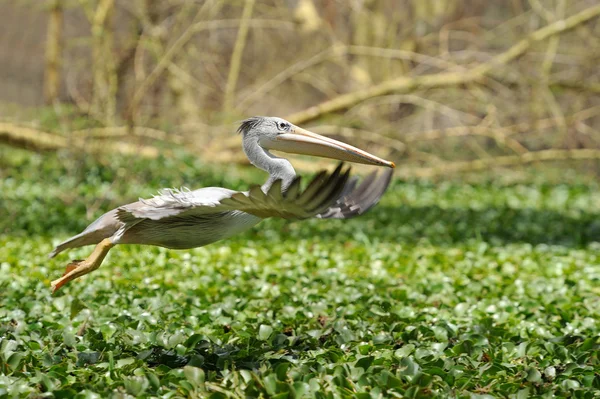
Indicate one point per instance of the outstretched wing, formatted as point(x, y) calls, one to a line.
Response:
point(355, 201)
point(173, 202)
point(321, 193)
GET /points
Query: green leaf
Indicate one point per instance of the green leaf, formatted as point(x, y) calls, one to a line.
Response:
point(264, 332)
point(14, 360)
point(569, 384)
point(69, 338)
point(270, 382)
point(365, 362)
point(301, 389)
point(77, 306)
point(195, 376)
point(533, 375)
point(193, 340)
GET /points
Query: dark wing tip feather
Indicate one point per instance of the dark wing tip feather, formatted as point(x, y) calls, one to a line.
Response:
point(357, 201)
point(338, 189)
point(327, 192)
point(372, 197)
point(294, 188)
point(327, 195)
point(350, 186)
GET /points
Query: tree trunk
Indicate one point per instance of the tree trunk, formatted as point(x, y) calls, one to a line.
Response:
point(53, 52)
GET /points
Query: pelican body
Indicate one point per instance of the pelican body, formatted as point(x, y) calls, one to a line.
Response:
point(183, 219)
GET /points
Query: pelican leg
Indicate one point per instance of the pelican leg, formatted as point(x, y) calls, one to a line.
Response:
point(79, 268)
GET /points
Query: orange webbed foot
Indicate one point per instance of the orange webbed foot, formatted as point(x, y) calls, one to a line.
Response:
point(67, 275)
point(78, 268)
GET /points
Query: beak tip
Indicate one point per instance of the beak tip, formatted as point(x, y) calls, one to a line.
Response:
point(392, 165)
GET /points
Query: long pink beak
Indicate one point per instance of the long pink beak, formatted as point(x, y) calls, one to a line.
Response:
point(300, 141)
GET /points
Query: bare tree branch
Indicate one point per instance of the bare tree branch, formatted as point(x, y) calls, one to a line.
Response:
point(38, 140)
point(236, 56)
point(449, 168)
point(444, 79)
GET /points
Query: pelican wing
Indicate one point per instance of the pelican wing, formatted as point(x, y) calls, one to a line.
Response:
point(355, 201)
point(294, 203)
point(323, 191)
point(173, 202)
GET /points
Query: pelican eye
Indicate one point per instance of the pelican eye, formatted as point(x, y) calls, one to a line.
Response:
point(283, 126)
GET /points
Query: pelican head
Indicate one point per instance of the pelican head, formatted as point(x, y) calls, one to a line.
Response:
point(272, 133)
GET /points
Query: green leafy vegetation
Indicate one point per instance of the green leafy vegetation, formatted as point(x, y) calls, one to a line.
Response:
point(445, 289)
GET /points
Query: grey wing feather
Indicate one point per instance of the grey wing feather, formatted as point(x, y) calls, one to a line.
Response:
point(355, 201)
point(322, 192)
point(173, 202)
point(328, 195)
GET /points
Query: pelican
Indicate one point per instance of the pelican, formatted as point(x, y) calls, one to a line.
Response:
point(183, 219)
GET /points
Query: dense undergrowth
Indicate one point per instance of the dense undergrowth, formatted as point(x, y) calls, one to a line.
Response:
point(444, 289)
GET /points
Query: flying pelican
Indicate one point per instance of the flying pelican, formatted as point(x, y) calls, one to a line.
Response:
point(182, 219)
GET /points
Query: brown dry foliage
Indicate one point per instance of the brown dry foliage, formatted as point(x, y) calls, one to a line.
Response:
point(442, 86)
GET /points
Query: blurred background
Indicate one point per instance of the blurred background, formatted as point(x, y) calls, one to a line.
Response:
point(441, 87)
